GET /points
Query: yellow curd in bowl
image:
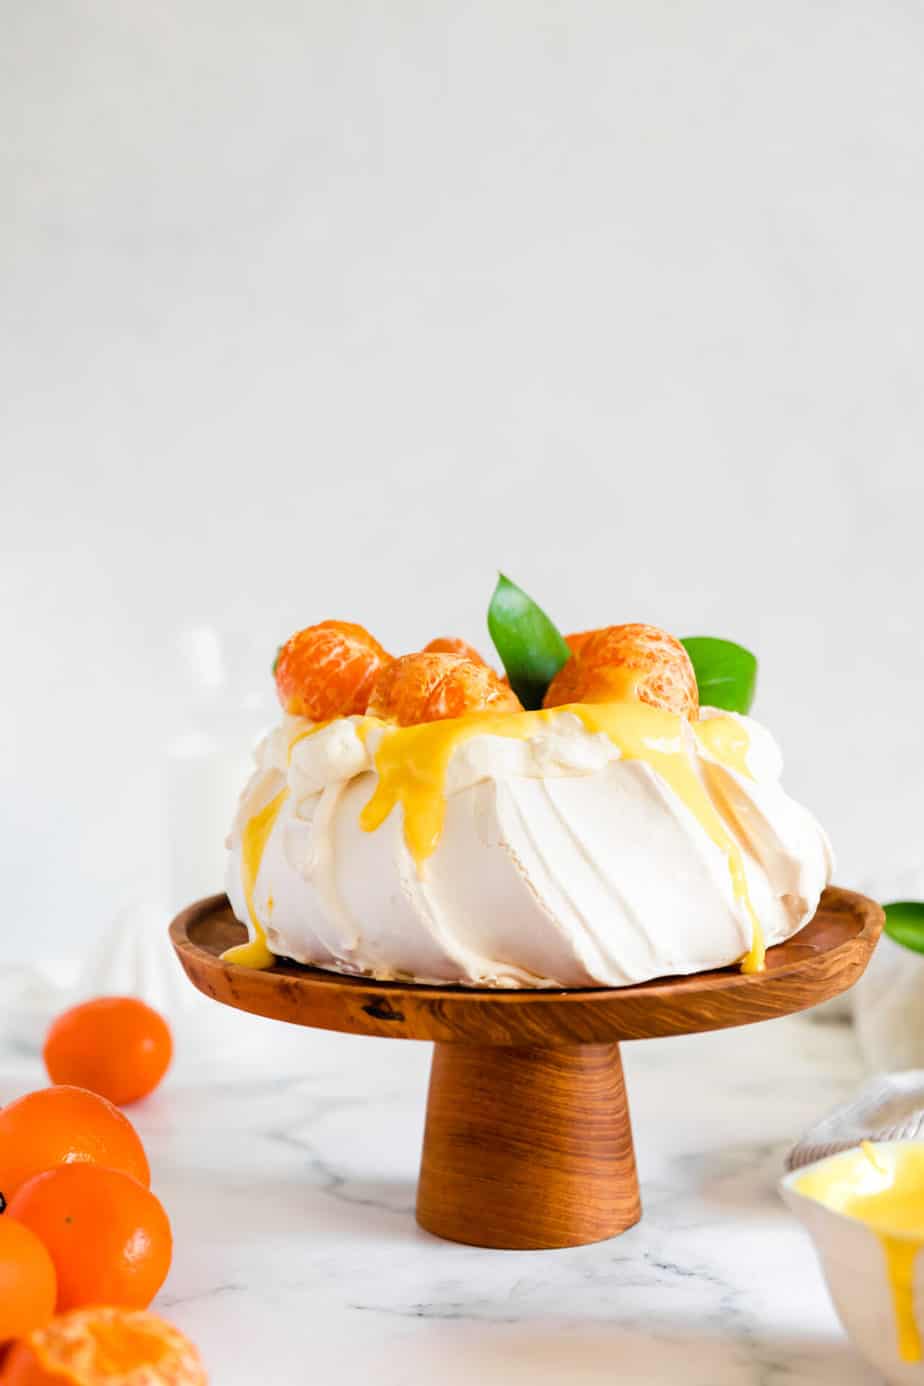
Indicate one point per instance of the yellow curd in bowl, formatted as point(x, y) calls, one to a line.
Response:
point(881, 1185)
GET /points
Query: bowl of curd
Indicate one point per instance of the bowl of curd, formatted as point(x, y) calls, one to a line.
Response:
point(864, 1210)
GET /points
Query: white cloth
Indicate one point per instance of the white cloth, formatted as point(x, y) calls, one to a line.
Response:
point(887, 1108)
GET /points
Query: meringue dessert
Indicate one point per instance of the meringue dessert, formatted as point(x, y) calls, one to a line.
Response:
point(411, 819)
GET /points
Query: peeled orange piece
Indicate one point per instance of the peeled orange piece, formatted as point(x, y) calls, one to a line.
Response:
point(452, 644)
point(619, 663)
point(65, 1126)
point(328, 670)
point(430, 687)
point(578, 640)
point(105, 1347)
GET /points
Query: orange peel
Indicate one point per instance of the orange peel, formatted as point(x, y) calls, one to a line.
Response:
point(66, 1126)
point(618, 663)
point(429, 687)
point(108, 1236)
point(328, 670)
point(117, 1046)
point(28, 1281)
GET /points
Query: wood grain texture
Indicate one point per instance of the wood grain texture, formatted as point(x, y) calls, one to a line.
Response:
point(527, 1148)
point(528, 1142)
point(825, 958)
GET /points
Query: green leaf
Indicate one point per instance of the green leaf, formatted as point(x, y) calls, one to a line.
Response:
point(725, 672)
point(530, 646)
point(279, 651)
point(905, 923)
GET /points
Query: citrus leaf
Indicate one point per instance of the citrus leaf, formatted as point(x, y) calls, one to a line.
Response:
point(726, 673)
point(531, 647)
point(905, 923)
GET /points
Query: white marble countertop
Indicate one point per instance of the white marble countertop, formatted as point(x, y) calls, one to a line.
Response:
point(288, 1169)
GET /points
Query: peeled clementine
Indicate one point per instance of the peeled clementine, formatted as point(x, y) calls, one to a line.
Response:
point(619, 663)
point(430, 687)
point(105, 1347)
point(452, 644)
point(28, 1286)
point(576, 641)
point(116, 1046)
point(328, 670)
point(108, 1235)
point(63, 1126)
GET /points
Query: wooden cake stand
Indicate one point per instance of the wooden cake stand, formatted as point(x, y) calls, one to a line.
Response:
point(528, 1141)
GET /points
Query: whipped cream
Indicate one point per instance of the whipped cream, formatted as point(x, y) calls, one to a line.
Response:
point(535, 852)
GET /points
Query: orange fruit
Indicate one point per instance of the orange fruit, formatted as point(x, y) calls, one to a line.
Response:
point(64, 1126)
point(107, 1234)
point(578, 639)
point(328, 670)
point(451, 644)
point(429, 687)
point(637, 661)
point(105, 1347)
point(28, 1286)
point(116, 1046)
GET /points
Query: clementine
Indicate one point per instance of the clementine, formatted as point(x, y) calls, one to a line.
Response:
point(116, 1046)
point(328, 670)
point(430, 687)
point(619, 663)
point(108, 1235)
point(578, 639)
point(452, 644)
point(105, 1347)
point(28, 1285)
point(62, 1126)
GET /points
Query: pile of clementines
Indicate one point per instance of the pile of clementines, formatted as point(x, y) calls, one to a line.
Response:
point(337, 669)
point(84, 1243)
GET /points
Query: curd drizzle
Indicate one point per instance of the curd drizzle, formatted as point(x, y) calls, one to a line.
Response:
point(412, 762)
point(255, 953)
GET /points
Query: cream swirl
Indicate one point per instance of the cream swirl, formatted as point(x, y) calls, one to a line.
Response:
point(580, 846)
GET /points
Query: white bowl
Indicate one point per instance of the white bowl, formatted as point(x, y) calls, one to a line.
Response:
point(885, 1321)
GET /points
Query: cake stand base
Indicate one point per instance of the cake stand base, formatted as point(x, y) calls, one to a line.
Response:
point(528, 1141)
point(527, 1148)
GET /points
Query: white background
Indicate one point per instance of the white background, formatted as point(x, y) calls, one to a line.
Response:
point(331, 309)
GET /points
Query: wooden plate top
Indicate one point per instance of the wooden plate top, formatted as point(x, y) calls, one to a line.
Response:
point(823, 959)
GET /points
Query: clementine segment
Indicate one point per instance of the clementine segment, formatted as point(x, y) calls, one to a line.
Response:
point(64, 1126)
point(28, 1285)
point(622, 662)
point(107, 1235)
point(429, 687)
point(116, 1046)
point(578, 640)
point(328, 670)
point(105, 1347)
point(452, 644)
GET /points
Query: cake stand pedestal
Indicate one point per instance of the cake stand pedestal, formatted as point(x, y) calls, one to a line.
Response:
point(528, 1140)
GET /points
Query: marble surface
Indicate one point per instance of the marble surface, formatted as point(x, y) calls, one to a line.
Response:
point(287, 1161)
